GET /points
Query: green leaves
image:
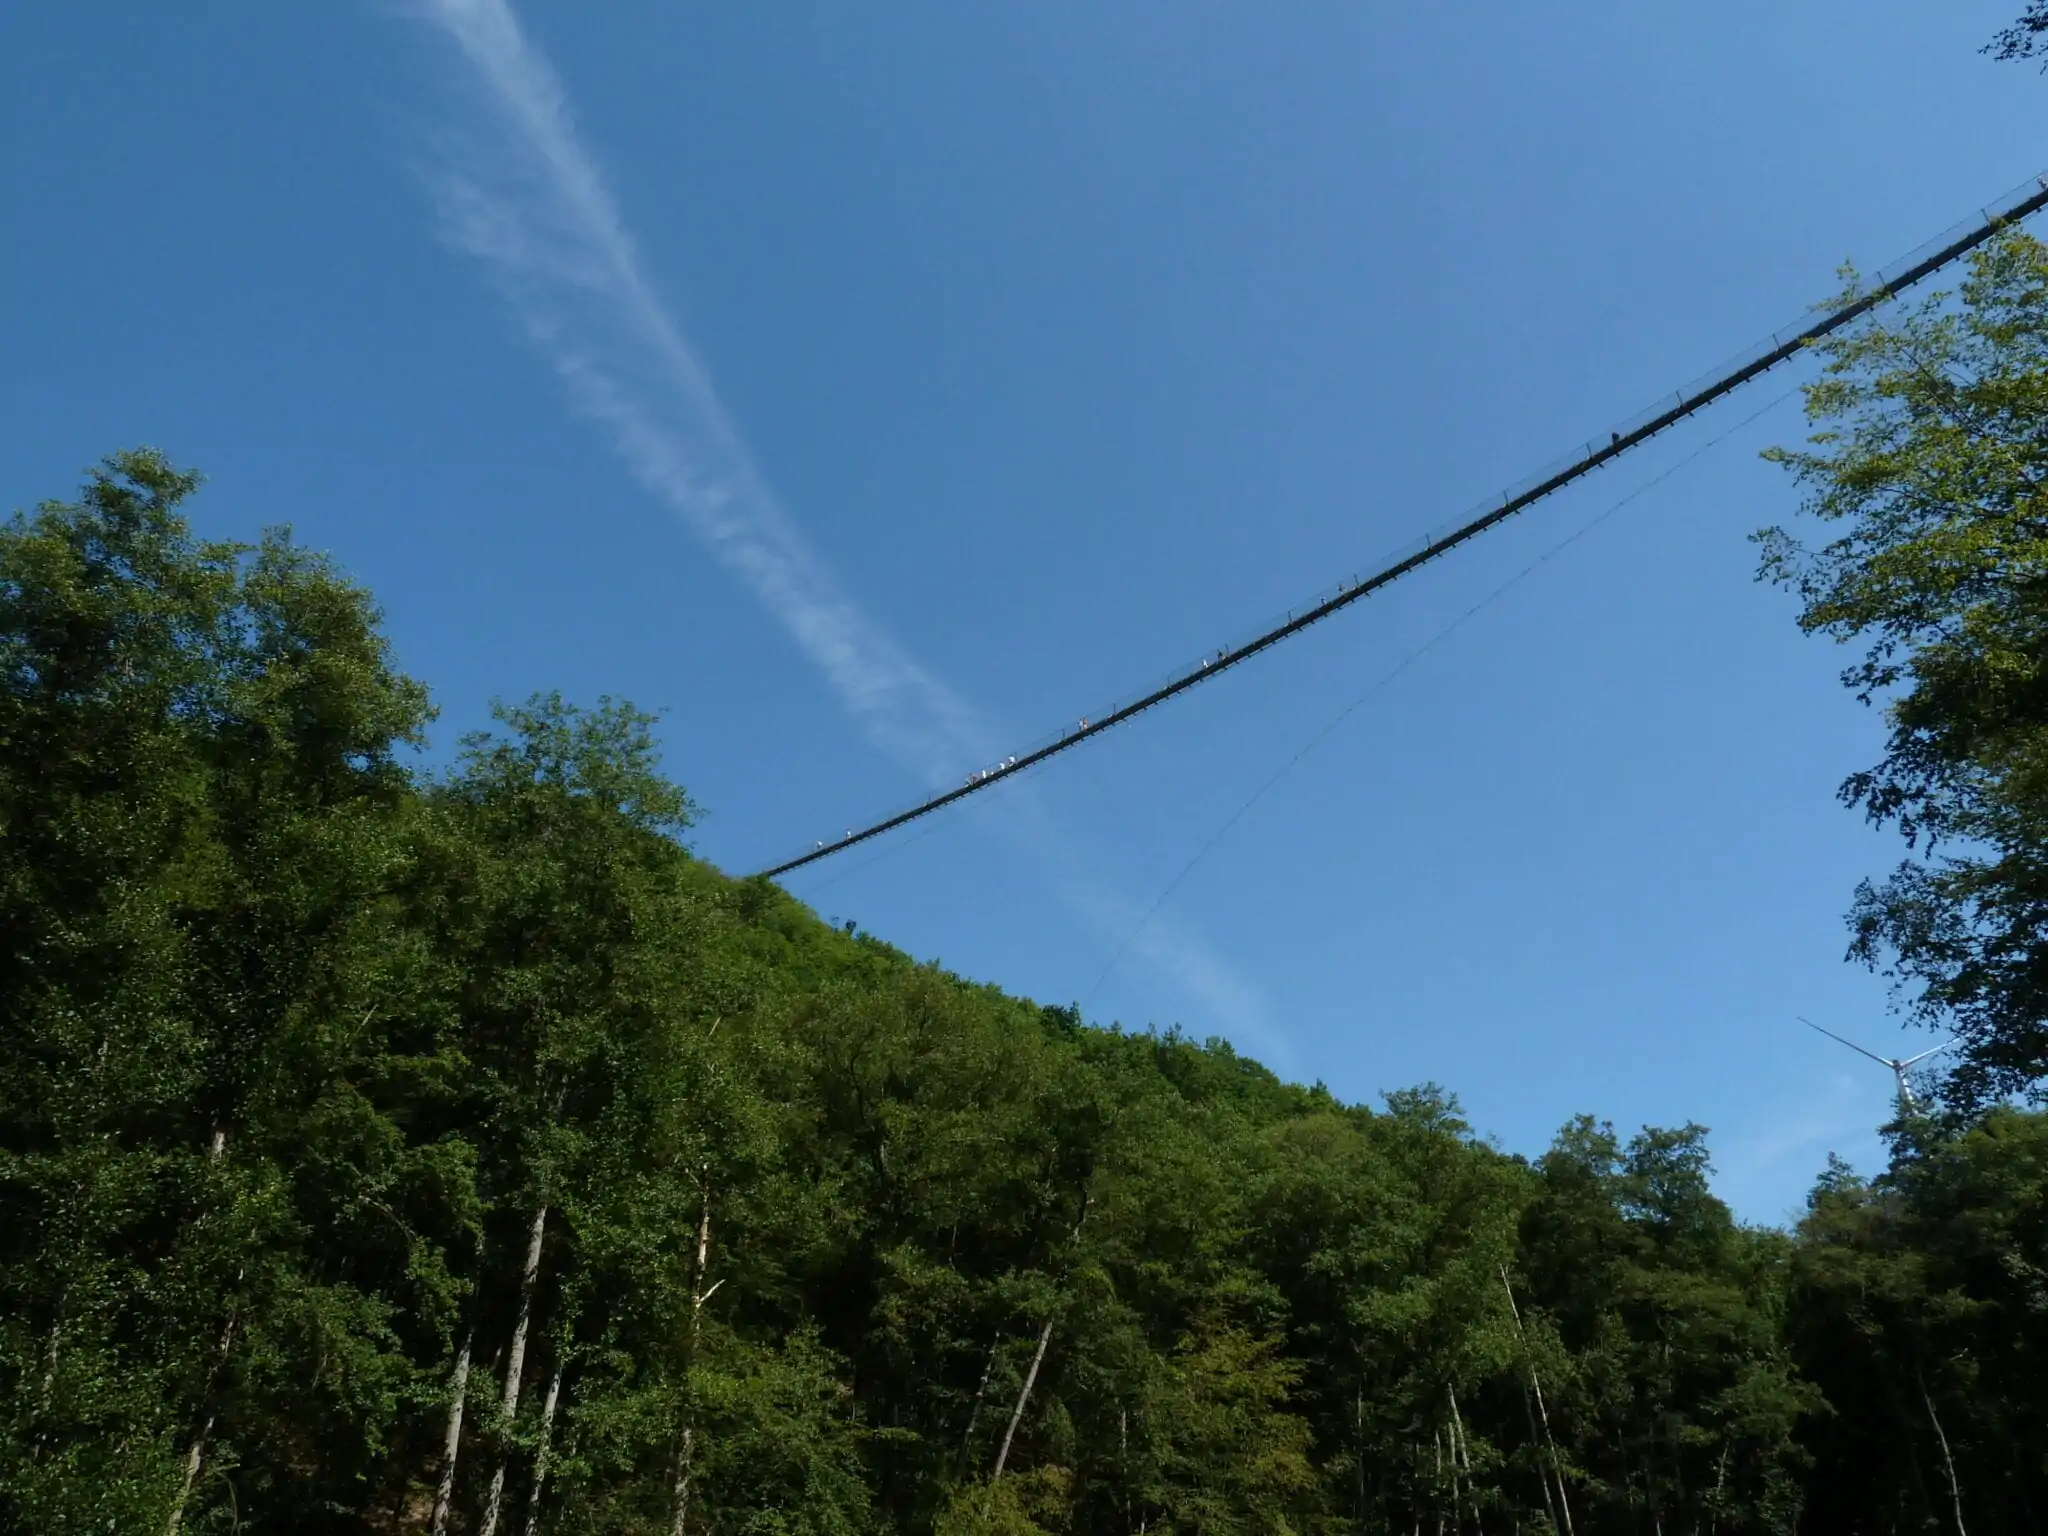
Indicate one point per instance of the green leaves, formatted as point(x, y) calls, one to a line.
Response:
point(1930, 466)
point(327, 1083)
point(1917, 1310)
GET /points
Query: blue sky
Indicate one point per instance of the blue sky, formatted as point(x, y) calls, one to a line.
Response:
point(876, 389)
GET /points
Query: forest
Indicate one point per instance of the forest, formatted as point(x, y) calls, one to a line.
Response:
point(393, 1142)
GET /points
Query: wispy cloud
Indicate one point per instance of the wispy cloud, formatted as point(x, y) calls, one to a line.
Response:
point(515, 187)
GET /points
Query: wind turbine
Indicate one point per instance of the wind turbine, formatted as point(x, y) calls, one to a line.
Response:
point(1897, 1064)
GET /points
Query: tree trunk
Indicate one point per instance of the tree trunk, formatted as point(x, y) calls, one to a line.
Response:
point(1462, 1450)
point(1358, 1456)
point(1564, 1502)
point(684, 1457)
point(974, 1410)
point(1437, 1487)
point(515, 1367)
point(49, 1387)
point(1023, 1397)
point(1457, 1485)
point(46, 1394)
point(1948, 1462)
point(1459, 1488)
point(1037, 1359)
point(1471, 1482)
point(196, 1457)
point(1123, 1458)
point(1550, 1443)
point(541, 1451)
point(686, 1452)
point(1542, 1472)
point(451, 1447)
point(193, 1459)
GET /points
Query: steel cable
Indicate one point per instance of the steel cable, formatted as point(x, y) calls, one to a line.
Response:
point(2010, 209)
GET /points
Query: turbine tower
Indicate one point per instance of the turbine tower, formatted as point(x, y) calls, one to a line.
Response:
point(1897, 1064)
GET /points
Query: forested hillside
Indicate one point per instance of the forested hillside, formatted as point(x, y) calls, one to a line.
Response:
point(387, 1150)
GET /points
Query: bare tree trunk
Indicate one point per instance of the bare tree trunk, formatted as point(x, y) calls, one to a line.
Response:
point(1023, 1397)
point(1948, 1462)
point(515, 1367)
point(684, 1458)
point(698, 1293)
point(451, 1446)
point(1457, 1487)
point(1462, 1450)
point(1358, 1455)
point(1542, 1472)
point(48, 1391)
point(195, 1458)
point(541, 1452)
point(974, 1411)
point(1549, 1441)
point(1037, 1359)
point(1437, 1488)
point(686, 1453)
point(49, 1386)
point(1123, 1459)
point(1564, 1502)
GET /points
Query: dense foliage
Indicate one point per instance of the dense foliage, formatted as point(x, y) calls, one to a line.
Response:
point(387, 1150)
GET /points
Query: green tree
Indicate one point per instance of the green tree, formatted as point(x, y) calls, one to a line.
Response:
point(1917, 1311)
point(207, 1207)
point(1677, 1400)
point(1928, 462)
point(393, 1151)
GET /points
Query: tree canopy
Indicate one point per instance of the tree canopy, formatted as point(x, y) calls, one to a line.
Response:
point(1929, 463)
point(407, 1150)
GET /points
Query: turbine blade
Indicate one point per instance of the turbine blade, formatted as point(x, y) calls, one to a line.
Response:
point(1925, 1054)
point(1882, 1061)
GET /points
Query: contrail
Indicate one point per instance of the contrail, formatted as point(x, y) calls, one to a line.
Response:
point(517, 189)
point(528, 201)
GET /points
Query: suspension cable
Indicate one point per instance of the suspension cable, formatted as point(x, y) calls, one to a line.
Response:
point(2025, 200)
